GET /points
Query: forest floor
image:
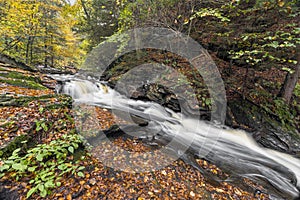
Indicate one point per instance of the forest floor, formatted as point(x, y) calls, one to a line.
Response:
point(24, 109)
point(34, 117)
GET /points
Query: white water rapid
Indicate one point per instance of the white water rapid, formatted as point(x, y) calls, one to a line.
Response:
point(231, 150)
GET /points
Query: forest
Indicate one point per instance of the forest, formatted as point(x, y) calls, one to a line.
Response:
point(89, 87)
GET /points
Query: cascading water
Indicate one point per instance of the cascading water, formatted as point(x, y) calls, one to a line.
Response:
point(232, 150)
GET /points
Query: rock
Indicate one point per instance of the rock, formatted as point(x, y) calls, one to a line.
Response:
point(14, 63)
point(52, 70)
point(138, 120)
point(9, 100)
point(266, 129)
point(161, 95)
point(8, 194)
point(18, 142)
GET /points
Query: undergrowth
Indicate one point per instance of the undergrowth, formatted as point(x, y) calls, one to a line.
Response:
point(45, 164)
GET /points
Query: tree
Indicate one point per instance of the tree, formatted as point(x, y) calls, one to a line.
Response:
point(98, 20)
point(290, 82)
point(39, 32)
point(258, 47)
point(260, 43)
point(18, 21)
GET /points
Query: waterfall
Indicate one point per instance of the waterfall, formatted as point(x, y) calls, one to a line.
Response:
point(231, 150)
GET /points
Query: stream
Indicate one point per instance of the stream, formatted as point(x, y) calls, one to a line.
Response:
point(234, 151)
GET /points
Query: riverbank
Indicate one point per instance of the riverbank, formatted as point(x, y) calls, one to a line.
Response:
point(23, 116)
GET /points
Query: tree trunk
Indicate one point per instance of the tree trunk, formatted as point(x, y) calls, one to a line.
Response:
point(290, 82)
point(31, 49)
point(45, 45)
point(87, 14)
point(245, 82)
point(28, 49)
point(51, 50)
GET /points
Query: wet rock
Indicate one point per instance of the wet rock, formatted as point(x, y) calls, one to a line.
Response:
point(161, 95)
point(138, 120)
point(266, 129)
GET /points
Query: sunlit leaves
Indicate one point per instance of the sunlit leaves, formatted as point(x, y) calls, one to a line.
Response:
point(257, 48)
point(205, 12)
point(18, 22)
point(281, 3)
point(39, 32)
point(71, 149)
point(288, 70)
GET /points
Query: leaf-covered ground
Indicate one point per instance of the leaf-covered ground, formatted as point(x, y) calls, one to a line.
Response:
point(48, 118)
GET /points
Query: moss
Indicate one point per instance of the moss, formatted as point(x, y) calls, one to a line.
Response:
point(297, 90)
point(64, 101)
point(18, 75)
point(265, 126)
point(24, 83)
point(23, 141)
point(21, 80)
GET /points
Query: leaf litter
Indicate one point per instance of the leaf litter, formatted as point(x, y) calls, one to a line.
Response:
point(177, 180)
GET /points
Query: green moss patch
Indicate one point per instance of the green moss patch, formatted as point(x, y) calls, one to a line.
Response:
point(21, 80)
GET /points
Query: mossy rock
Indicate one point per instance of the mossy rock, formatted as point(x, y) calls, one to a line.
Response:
point(64, 100)
point(21, 80)
point(24, 83)
point(266, 127)
point(23, 141)
point(18, 75)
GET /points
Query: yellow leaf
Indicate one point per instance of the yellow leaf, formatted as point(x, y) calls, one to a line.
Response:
point(186, 21)
point(280, 3)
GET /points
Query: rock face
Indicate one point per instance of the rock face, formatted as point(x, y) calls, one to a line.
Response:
point(10, 61)
point(266, 129)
